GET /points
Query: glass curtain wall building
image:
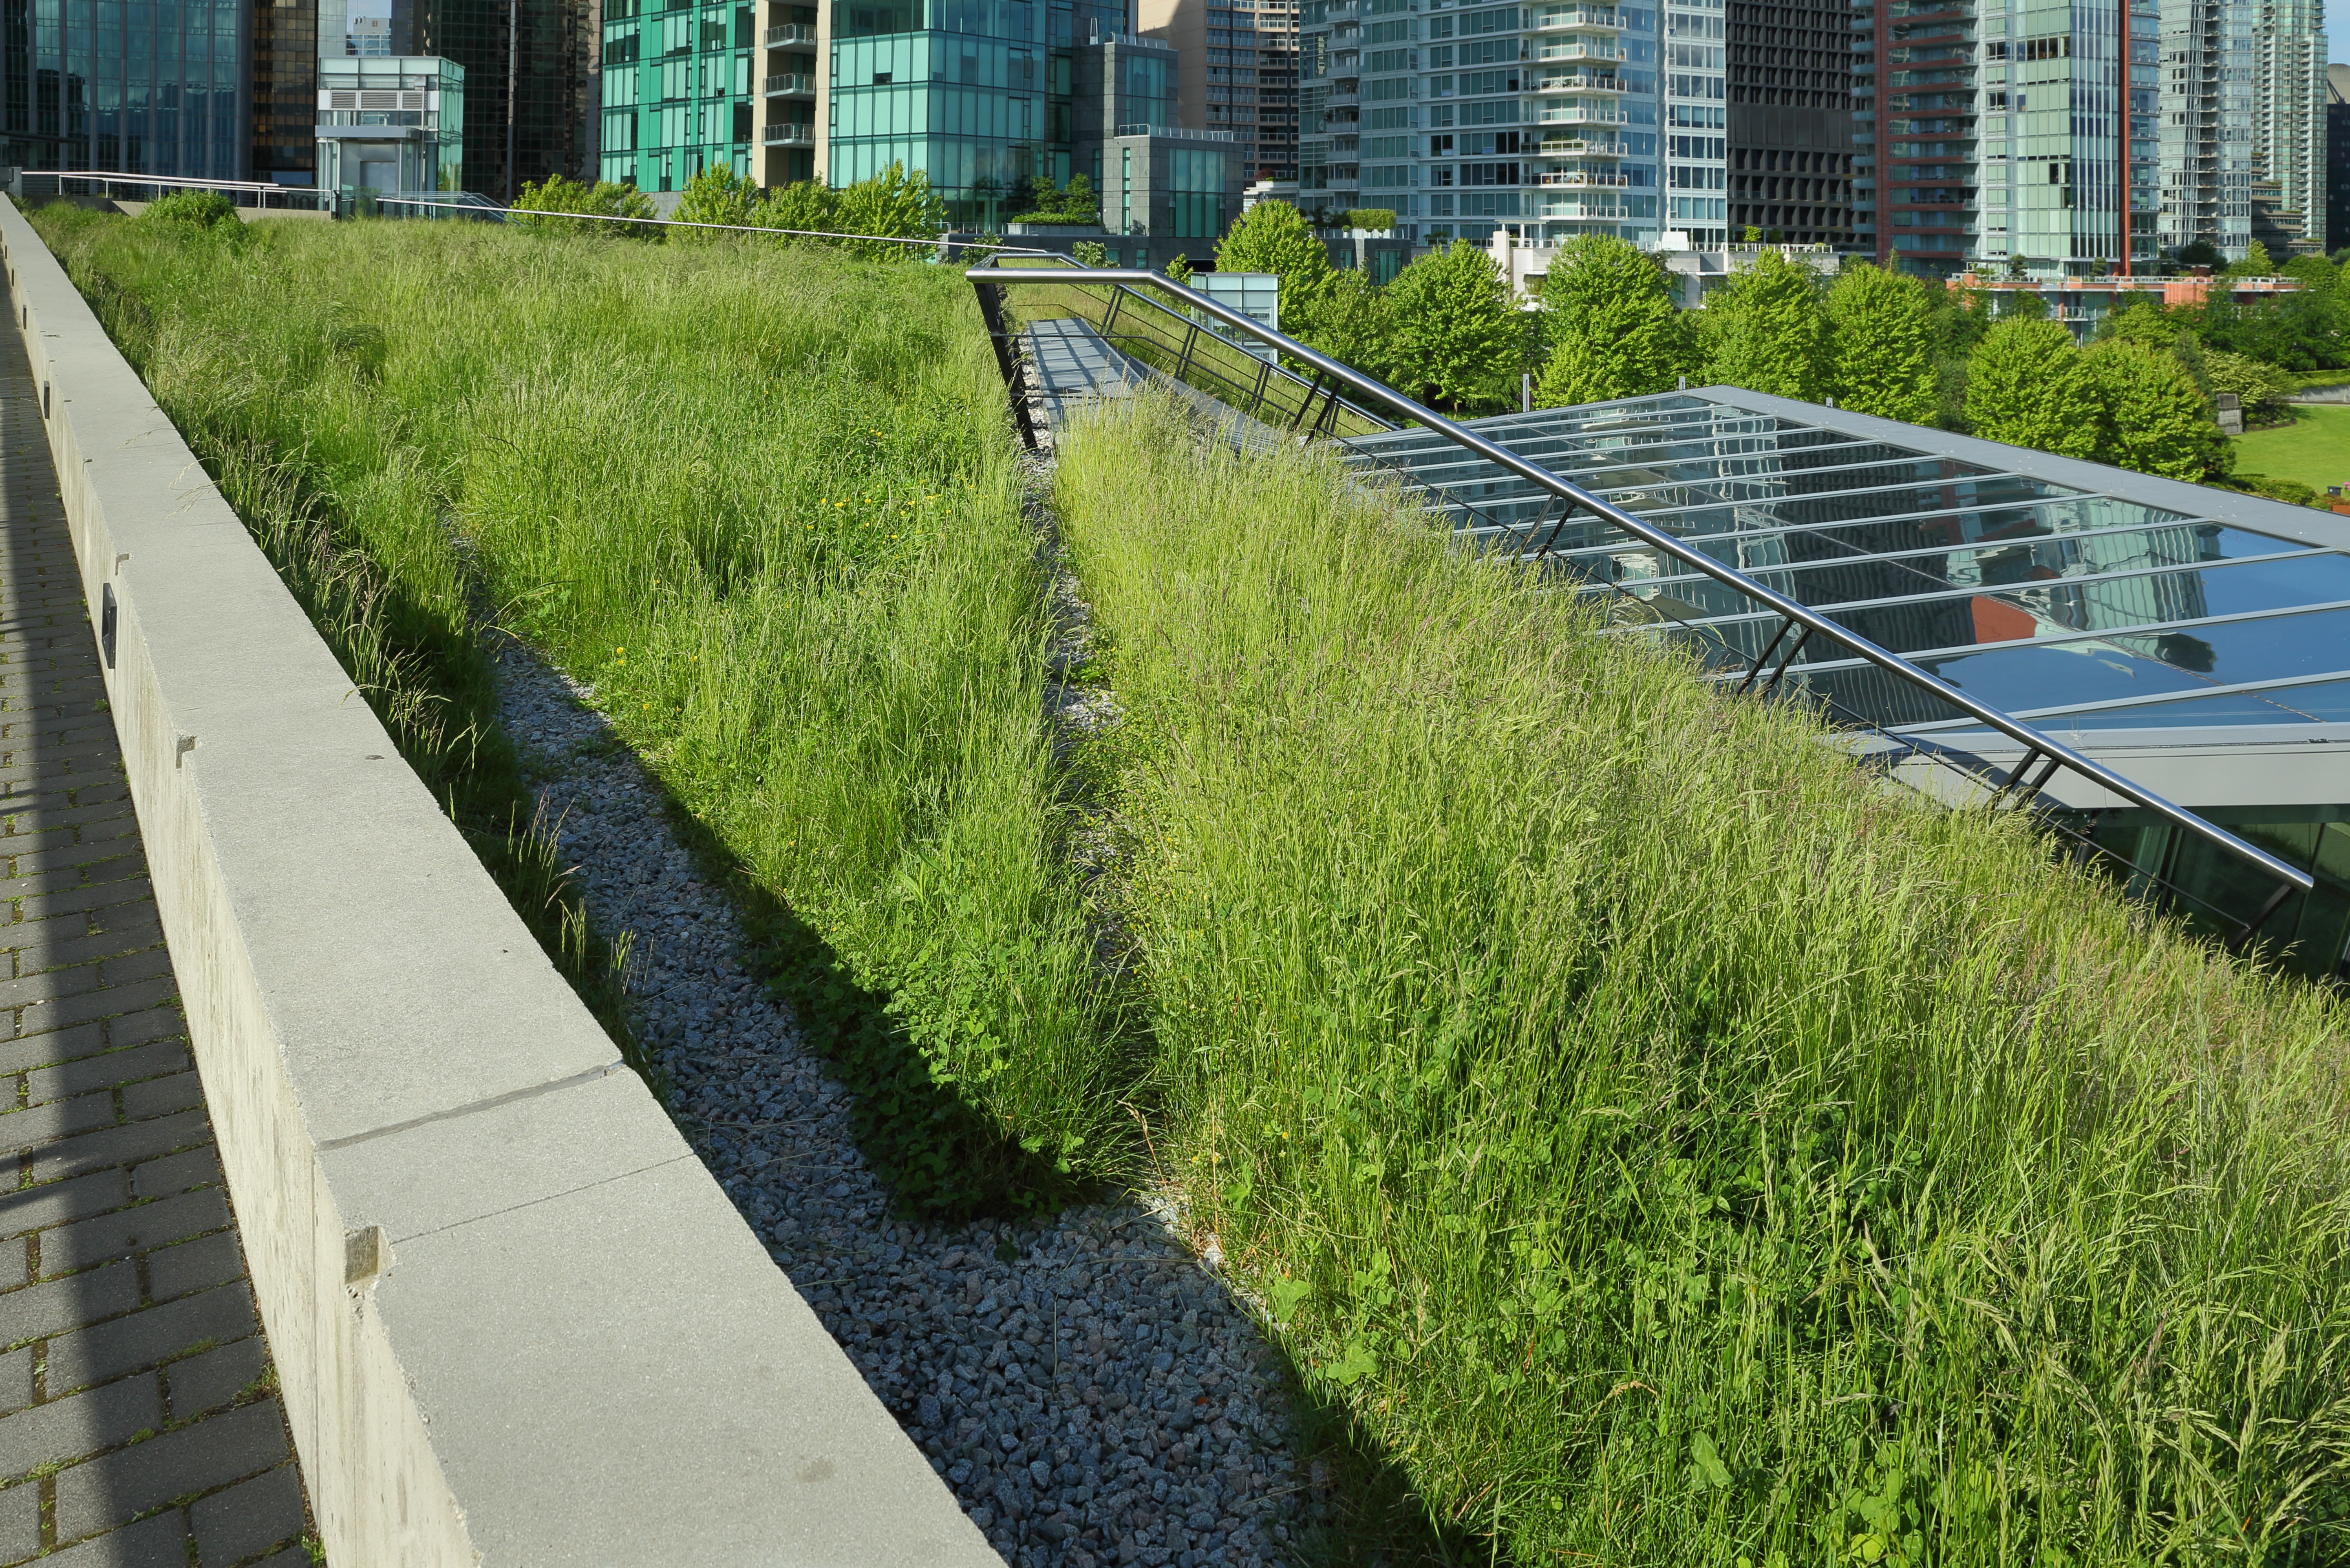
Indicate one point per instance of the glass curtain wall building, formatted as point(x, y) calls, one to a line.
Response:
point(676, 92)
point(1237, 71)
point(108, 85)
point(390, 124)
point(984, 95)
point(1790, 120)
point(542, 125)
point(1547, 120)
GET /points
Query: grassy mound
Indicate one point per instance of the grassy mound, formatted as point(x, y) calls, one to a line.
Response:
point(765, 503)
point(1673, 1147)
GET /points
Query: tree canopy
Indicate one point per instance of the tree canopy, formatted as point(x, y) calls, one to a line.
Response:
point(1612, 324)
point(1766, 330)
point(2026, 385)
point(715, 195)
point(1271, 237)
point(2152, 416)
point(541, 206)
point(1881, 337)
point(1458, 340)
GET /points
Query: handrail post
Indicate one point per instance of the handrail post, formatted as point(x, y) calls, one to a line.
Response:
point(991, 311)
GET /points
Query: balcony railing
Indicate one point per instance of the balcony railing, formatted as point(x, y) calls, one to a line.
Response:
point(789, 84)
point(1579, 49)
point(1579, 82)
point(790, 33)
point(789, 135)
point(1342, 100)
point(1582, 18)
point(1582, 180)
point(1582, 114)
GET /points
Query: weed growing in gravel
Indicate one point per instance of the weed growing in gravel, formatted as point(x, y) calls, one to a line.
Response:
point(764, 504)
point(1674, 1148)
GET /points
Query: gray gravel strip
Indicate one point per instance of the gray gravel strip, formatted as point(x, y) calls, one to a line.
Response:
point(1100, 1398)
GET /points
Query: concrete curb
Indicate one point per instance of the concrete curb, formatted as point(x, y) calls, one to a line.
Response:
point(515, 1319)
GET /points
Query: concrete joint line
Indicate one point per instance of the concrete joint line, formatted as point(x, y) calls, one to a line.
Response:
point(329, 1146)
point(455, 1225)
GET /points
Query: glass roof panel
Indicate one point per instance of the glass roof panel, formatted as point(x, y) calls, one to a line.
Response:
point(2026, 592)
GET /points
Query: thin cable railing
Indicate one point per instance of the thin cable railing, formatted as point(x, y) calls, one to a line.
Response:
point(2042, 757)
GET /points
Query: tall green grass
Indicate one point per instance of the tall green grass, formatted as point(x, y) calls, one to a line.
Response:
point(1673, 1147)
point(766, 503)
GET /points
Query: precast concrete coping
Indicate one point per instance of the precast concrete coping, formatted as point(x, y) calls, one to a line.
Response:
point(515, 1319)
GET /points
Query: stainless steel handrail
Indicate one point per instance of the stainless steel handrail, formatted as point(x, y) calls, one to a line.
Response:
point(2038, 746)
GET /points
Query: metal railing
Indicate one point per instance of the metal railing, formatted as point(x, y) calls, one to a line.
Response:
point(33, 183)
point(2019, 786)
point(1179, 345)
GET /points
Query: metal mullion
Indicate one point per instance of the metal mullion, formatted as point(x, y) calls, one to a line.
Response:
point(2143, 628)
point(1665, 481)
point(2185, 521)
point(2153, 699)
point(1946, 590)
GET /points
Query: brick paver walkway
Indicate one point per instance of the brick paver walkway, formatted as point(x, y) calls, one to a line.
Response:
point(138, 1406)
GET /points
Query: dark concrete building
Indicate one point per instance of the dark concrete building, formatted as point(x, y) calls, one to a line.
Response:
point(1789, 121)
point(2337, 158)
point(528, 110)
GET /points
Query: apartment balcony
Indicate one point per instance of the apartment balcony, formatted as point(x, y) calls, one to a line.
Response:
point(790, 33)
point(789, 84)
point(1579, 82)
point(789, 135)
point(1342, 100)
point(1579, 50)
point(1583, 179)
point(1583, 19)
point(1581, 114)
point(1575, 147)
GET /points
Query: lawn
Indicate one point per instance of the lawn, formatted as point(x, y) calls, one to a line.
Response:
point(2314, 449)
point(1666, 1145)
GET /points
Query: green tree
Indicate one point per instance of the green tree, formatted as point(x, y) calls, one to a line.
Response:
point(2316, 275)
point(1613, 326)
point(2151, 414)
point(2199, 253)
point(807, 206)
point(2024, 305)
point(2026, 385)
point(715, 195)
point(1881, 336)
point(1355, 325)
point(190, 209)
point(2142, 322)
point(2256, 263)
point(890, 203)
point(1271, 237)
point(2263, 390)
point(1767, 330)
point(1457, 339)
point(1180, 269)
point(540, 208)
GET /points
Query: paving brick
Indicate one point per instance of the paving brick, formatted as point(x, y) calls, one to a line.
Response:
point(177, 1173)
point(160, 1096)
point(130, 968)
point(84, 1242)
point(117, 1067)
point(50, 985)
point(15, 1380)
point(32, 1207)
point(155, 1023)
point(209, 1380)
point(214, 1451)
point(78, 1425)
point(292, 1557)
point(195, 1265)
point(35, 877)
point(74, 900)
point(69, 1011)
point(15, 1263)
point(20, 1521)
point(148, 1337)
point(121, 1145)
point(69, 946)
point(249, 1517)
point(57, 1306)
point(158, 1542)
point(65, 1045)
point(45, 1124)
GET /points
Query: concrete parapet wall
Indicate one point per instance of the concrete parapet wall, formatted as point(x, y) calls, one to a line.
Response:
point(513, 1318)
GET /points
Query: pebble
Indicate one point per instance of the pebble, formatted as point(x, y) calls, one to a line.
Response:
point(1100, 1397)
